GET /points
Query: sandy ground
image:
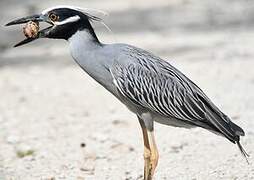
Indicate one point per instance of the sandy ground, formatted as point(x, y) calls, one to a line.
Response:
point(49, 106)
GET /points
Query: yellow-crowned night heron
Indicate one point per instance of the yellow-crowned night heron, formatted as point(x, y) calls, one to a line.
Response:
point(150, 87)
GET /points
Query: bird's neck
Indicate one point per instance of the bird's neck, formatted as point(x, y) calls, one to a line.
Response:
point(84, 49)
point(90, 30)
point(90, 56)
point(84, 41)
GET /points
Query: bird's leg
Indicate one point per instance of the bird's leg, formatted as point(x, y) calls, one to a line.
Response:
point(151, 154)
point(146, 150)
point(154, 155)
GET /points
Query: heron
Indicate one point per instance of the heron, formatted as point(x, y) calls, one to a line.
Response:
point(147, 85)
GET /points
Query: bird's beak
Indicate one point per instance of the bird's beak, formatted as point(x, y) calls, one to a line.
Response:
point(35, 18)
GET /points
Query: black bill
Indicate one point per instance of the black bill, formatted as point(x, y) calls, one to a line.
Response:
point(35, 18)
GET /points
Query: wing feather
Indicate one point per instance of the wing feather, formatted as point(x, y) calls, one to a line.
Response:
point(150, 82)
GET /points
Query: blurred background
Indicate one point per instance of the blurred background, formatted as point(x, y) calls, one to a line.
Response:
point(49, 107)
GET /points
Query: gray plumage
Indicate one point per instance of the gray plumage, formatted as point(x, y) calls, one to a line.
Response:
point(155, 85)
point(148, 85)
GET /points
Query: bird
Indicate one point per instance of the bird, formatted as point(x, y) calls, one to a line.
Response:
point(150, 87)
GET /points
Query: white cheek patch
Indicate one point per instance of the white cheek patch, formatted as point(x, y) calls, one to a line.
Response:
point(68, 20)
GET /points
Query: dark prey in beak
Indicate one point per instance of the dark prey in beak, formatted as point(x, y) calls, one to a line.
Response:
point(34, 18)
point(40, 34)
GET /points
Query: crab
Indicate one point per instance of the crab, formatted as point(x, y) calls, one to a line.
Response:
point(31, 29)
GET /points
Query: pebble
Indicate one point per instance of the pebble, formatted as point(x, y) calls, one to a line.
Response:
point(13, 139)
point(24, 150)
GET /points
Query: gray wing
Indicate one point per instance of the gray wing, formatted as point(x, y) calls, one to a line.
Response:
point(159, 87)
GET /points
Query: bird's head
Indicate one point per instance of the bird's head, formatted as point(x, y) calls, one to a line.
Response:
point(64, 21)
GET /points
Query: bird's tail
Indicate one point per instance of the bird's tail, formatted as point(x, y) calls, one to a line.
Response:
point(238, 131)
point(224, 126)
point(243, 152)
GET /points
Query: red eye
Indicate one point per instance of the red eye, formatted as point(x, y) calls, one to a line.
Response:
point(53, 17)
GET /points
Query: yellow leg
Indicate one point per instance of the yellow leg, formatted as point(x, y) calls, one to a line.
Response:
point(151, 154)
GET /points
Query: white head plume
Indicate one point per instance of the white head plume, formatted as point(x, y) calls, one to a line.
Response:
point(93, 13)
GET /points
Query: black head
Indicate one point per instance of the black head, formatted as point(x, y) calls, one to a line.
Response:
point(67, 21)
point(64, 22)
